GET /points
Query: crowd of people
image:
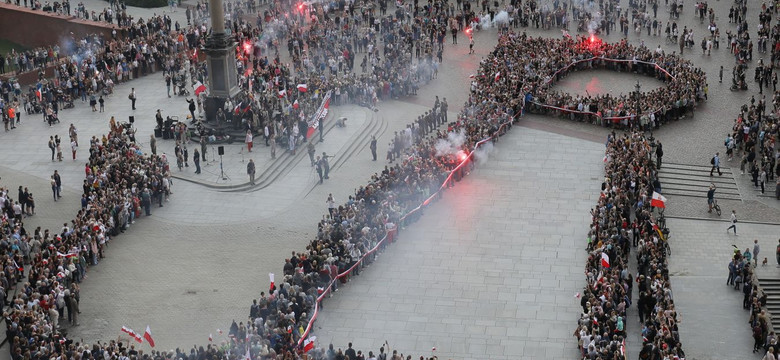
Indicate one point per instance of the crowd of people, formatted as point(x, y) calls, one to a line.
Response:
point(358, 52)
point(119, 186)
point(752, 141)
point(627, 188)
point(553, 58)
point(91, 66)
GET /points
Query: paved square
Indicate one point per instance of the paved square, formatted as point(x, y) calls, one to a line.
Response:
point(491, 270)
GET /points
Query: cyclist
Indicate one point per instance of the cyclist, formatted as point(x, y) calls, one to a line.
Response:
point(711, 197)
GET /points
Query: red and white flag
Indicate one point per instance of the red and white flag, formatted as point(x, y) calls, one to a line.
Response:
point(303, 87)
point(199, 88)
point(658, 200)
point(68, 255)
point(308, 344)
point(604, 260)
point(211, 338)
point(127, 331)
point(295, 104)
point(497, 76)
point(282, 93)
point(471, 76)
point(148, 336)
point(219, 331)
point(271, 276)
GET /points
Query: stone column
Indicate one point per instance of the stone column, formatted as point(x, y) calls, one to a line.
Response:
point(223, 79)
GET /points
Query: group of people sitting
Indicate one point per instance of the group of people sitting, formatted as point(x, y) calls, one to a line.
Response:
point(119, 182)
point(630, 178)
point(551, 59)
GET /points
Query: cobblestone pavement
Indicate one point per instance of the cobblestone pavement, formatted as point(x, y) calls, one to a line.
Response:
point(490, 272)
point(714, 325)
point(196, 263)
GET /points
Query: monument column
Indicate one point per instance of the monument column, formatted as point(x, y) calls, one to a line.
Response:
point(221, 57)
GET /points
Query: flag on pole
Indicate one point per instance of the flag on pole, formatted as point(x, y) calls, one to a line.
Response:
point(199, 88)
point(271, 276)
point(148, 336)
point(282, 93)
point(303, 87)
point(497, 76)
point(658, 200)
point(604, 260)
point(308, 344)
point(219, 331)
point(295, 104)
point(211, 338)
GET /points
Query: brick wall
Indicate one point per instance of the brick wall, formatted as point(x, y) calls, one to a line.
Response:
point(37, 28)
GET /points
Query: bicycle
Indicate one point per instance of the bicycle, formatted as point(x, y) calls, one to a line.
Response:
point(667, 249)
point(715, 206)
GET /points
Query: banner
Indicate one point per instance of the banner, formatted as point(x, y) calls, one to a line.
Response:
point(321, 113)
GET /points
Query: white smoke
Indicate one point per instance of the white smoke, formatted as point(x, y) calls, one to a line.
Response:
point(483, 153)
point(499, 19)
point(485, 22)
point(595, 22)
point(452, 144)
point(502, 18)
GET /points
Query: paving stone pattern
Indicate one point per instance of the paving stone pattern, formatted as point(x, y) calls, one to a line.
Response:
point(489, 272)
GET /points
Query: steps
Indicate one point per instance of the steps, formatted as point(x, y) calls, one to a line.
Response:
point(694, 181)
point(772, 289)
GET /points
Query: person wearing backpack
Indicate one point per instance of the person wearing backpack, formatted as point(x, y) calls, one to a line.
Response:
point(715, 162)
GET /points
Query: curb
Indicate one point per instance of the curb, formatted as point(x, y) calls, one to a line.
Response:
point(722, 220)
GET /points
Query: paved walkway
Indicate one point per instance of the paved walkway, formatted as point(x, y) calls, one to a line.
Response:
point(196, 263)
point(714, 325)
point(489, 272)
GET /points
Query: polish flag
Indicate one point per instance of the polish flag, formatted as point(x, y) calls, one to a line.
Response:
point(604, 260)
point(598, 281)
point(282, 93)
point(471, 76)
point(308, 344)
point(303, 87)
point(211, 338)
point(271, 276)
point(148, 336)
point(295, 104)
point(497, 76)
point(658, 200)
point(199, 88)
point(219, 331)
point(139, 339)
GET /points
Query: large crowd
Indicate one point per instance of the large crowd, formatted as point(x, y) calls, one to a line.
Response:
point(686, 85)
point(120, 184)
point(627, 188)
